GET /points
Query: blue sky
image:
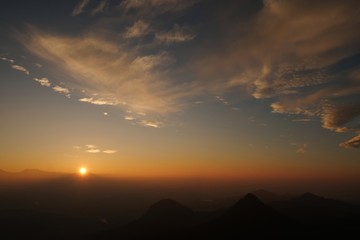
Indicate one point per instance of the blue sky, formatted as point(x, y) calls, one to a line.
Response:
point(181, 86)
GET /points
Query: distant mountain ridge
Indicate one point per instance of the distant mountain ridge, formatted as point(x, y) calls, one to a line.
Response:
point(168, 212)
point(268, 197)
point(99, 208)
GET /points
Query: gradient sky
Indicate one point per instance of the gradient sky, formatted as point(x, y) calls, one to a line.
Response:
point(182, 88)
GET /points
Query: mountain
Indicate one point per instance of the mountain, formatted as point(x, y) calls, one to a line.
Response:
point(268, 197)
point(322, 216)
point(33, 224)
point(162, 220)
point(313, 207)
point(168, 213)
point(249, 218)
point(96, 207)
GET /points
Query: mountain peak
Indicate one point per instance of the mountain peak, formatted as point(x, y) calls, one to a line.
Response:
point(250, 198)
point(167, 211)
point(267, 196)
point(249, 203)
point(310, 196)
point(167, 202)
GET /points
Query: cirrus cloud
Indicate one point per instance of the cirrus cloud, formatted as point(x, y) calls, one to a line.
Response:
point(20, 68)
point(43, 81)
point(111, 71)
point(351, 143)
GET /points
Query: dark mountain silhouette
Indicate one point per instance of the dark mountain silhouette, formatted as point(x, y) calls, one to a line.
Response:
point(321, 216)
point(314, 207)
point(248, 217)
point(168, 213)
point(248, 209)
point(268, 197)
point(69, 206)
point(161, 220)
point(34, 224)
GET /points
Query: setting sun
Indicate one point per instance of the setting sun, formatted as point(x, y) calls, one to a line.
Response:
point(82, 171)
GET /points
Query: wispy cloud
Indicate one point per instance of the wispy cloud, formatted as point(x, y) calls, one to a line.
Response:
point(93, 150)
point(176, 35)
point(62, 90)
point(152, 124)
point(351, 143)
point(302, 120)
point(90, 148)
point(129, 118)
point(278, 53)
point(222, 100)
point(43, 81)
point(99, 101)
point(100, 7)
point(109, 151)
point(7, 60)
point(20, 68)
point(79, 8)
point(135, 82)
point(281, 55)
point(335, 117)
point(302, 148)
point(157, 6)
point(138, 29)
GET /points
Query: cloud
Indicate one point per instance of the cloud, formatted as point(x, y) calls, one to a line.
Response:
point(157, 6)
point(109, 151)
point(152, 124)
point(302, 148)
point(100, 7)
point(90, 148)
point(305, 69)
point(93, 150)
point(275, 51)
point(62, 90)
point(335, 117)
point(79, 8)
point(222, 100)
point(131, 80)
point(20, 68)
point(43, 81)
point(129, 118)
point(176, 35)
point(99, 101)
point(302, 120)
point(7, 60)
point(351, 143)
point(138, 29)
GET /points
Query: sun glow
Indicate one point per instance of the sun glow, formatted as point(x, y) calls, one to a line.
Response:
point(82, 171)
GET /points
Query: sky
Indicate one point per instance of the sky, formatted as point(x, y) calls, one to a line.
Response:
point(246, 89)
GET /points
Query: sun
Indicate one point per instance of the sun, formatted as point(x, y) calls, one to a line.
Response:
point(82, 171)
